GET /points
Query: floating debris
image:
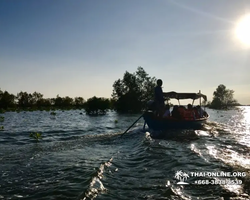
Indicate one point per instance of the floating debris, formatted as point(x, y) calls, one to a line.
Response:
point(1, 118)
point(53, 113)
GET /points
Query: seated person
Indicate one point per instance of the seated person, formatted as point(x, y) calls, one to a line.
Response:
point(189, 107)
point(202, 113)
point(182, 110)
point(167, 111)
point(196, 113)
point(175, 112)
point(189, 113)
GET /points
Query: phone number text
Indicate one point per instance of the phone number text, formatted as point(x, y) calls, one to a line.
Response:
point(218, 182)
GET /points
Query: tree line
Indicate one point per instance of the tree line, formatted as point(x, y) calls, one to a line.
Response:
point(35, 101)
point(130, 94)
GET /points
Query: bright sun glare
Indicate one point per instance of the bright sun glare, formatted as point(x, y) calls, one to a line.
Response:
point(243, 30)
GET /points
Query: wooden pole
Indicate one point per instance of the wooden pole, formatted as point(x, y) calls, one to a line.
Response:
point(200, 97)
point(133, 124)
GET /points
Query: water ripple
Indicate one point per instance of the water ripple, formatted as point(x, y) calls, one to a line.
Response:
point(82, 157)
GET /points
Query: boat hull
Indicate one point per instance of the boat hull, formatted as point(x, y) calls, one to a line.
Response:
point(157, 123)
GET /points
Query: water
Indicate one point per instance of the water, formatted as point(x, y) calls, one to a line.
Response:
point(82, 157)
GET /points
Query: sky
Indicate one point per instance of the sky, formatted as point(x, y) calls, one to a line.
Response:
point(81, 47)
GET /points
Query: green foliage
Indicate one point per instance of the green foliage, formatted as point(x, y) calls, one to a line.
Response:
point(223, 98)
point(62, 101)
point(37, 136)
point(6, 100)
point(133, 91)
point(37, 99)
point(1, 128)
point(1, 118)
point(79, 102)
point(24, 99)
point(53, 113)
point(96, 106)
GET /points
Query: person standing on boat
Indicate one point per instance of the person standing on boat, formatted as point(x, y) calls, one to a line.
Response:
point(159, 100)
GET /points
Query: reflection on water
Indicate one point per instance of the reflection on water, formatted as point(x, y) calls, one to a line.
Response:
point(82, 157)
point(229, 156)
point(246, 113)
point(96, 186)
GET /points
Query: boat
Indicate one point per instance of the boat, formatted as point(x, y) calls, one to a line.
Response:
point(159, 123)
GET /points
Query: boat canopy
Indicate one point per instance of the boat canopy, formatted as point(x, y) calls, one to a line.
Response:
point(175, 95)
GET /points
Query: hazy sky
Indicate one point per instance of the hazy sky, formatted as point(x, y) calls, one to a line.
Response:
point(80, 47)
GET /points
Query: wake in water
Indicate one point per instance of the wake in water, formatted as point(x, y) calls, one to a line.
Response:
point(96, 186)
